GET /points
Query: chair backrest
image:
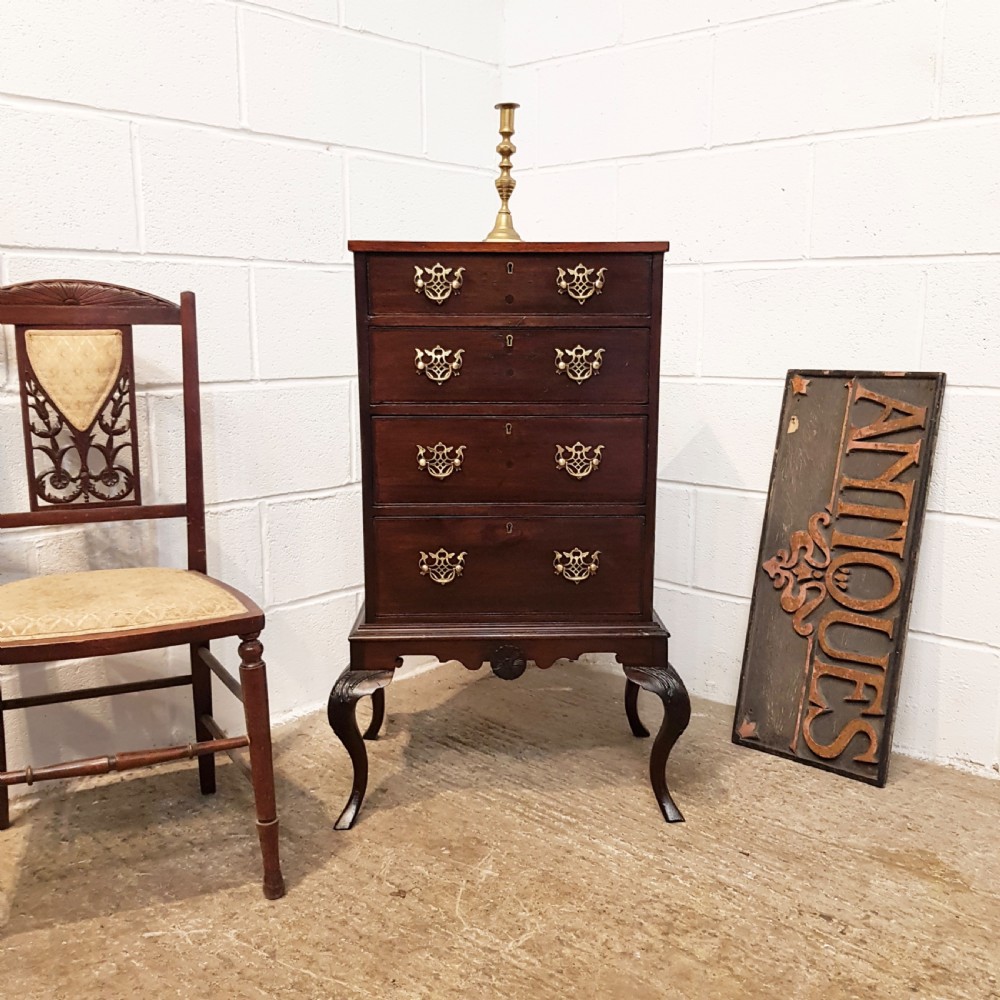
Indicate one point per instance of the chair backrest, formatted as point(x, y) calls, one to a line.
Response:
point(76, 379)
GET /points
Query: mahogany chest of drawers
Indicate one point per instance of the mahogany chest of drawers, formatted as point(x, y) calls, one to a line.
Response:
point(508, 397)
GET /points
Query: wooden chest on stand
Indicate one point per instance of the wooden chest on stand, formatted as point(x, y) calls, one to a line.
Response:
point(508, 399)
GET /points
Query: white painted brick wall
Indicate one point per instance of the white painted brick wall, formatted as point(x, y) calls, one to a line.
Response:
point(172, 58)
point(832, 200)
point(825, 171)
point(208, 145)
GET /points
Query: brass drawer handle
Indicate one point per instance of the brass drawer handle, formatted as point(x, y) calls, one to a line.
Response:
point(438, 364)
point(438, 461)
point(576, 565)
point(577, 363)
point(435, 282)
point(441, 566)
point(578, 283)
point(577, 460)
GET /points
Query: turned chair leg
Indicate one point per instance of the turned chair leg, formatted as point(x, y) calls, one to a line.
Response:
point(201, 689)
point(667, 685)
point(342, 713)
point(253, 678)
point(632, 709)
point(4, 790)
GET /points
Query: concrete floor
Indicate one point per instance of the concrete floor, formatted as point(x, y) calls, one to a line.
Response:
point(510, 848)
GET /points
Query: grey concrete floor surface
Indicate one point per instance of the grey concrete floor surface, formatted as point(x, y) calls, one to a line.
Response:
point(510, 847)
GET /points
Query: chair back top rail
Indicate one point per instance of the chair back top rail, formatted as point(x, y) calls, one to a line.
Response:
point(91, 303)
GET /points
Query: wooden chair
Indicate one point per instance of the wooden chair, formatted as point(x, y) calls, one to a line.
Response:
point(77, 387)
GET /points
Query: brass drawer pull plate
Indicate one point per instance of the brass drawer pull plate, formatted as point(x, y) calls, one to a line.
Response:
point(435, 282)
point(438, 460)
point(442, 566)
point(577, 460)
point(438, 364)
point(577, 363)
point(578, 283)
point(576, 565)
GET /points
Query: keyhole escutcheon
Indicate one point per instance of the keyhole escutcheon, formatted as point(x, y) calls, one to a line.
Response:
point(510, 267)
point(509, 340)
point(508, 428)
point(510, 527)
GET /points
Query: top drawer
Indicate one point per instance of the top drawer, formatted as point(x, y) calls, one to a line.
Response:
point(432, 284)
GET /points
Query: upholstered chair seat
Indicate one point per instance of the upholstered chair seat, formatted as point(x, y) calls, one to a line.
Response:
point(66, 605)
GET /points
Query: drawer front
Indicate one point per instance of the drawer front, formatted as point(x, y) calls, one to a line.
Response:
point(483, 566)
point(458, 364)
point(547, 284)
point(510, 459)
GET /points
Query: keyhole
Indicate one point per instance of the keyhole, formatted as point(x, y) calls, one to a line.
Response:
point(510, 339)
point(510, 528)
point(508, 428)
point(510, 267)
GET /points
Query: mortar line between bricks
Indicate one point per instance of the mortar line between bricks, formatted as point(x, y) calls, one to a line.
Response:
point(252, 322)
point(137, 199)
point(913, 127)
point(943, 638)
point(710, 267)
point(133, 257)
point(345, 29)
point(20, 102)
point(714, 488)
point(685, 588)
point(961, 517)
point(346, 163)
point(938, 82)
point(921, 337)
point(861, 260)
point(708, 29)
point(422, 97)
point(318, 598)
point(263, 533)
point(241, 503)
point(972, 520)
point(950, 640)
point(724, 379)
point(170, 390)
point(960, 388)
point(242, 109)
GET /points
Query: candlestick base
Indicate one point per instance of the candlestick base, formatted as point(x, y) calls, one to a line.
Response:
point(503, 230)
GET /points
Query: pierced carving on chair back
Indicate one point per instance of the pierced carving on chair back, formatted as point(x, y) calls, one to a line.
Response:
point(78, 407)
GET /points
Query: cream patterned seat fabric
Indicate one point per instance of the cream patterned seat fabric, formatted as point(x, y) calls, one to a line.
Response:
point(65, 605)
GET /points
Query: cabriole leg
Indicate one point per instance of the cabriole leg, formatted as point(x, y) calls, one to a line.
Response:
point(201, 690)
point(632, 709)
point(667, 685)
point(342, 713)
point(253, 679)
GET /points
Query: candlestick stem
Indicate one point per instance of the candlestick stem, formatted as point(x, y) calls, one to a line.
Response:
point(503, 230)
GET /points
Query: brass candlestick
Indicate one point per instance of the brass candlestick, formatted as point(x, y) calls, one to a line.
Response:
point(503, 230)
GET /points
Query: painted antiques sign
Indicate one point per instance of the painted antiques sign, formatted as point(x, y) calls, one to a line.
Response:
point(835, 571)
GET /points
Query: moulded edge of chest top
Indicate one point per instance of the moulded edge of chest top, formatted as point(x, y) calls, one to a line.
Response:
point(396, 246)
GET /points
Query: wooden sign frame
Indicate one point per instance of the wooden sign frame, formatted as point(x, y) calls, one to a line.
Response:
point(838, 553)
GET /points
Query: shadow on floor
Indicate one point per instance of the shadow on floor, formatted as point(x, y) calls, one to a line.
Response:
point(122, 842)
point(487, 734)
